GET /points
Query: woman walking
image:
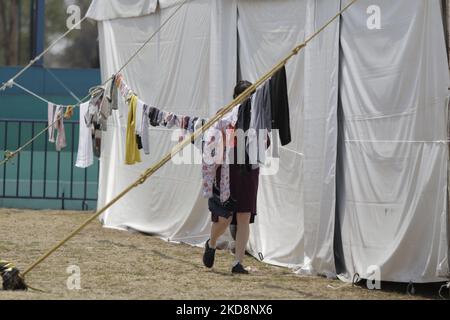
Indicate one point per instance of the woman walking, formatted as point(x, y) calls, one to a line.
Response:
point(240, 209)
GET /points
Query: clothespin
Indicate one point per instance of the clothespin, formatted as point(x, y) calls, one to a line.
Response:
point(129, 95)
point(118, 80)
point(8, 154)
point(69, 113)
point(113, 79)
point(8, 85)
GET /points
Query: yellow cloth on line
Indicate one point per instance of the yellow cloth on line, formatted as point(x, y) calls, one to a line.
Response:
point(132, 154)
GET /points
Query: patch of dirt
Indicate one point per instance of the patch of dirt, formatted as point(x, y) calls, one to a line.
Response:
point(122, 265)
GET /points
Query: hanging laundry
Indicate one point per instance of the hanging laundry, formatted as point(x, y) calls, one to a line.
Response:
point(123, 88)
point(280, 106)
point(191, 127)
point(141, 122)
point(172, 120)
point(155, 116)
point(144, 130)
point(139, 116)
point(159, 119)
point(139, 142)
point(219, 138)
point(142, 126)
point(184, 125)
point(111, 93)
point(191, 124)
point(99, 109)
point(132, 154)
point(118, 79)
point(199, 123)
point(95, 118)
point(93, 113)
point(85, 156)
point(260, 125)
point(97, 140)
point(105, 111)
point(209, 175)
point(185, 122)
point(51, 119)
point(243, 124)
point(59, 126)
point(56, 123)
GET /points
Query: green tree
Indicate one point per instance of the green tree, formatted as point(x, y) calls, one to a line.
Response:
point(9, 20)
point(80, 48)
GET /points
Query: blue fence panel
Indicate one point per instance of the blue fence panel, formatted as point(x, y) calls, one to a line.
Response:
point(40, 177)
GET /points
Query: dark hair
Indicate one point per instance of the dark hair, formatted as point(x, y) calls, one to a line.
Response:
point(241, 87)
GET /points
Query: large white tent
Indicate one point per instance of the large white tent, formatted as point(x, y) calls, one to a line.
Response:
point(364, 182)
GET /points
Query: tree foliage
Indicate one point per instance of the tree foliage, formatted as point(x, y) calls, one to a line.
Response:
point(78, 50)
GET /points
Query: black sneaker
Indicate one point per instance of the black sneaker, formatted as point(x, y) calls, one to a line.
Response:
point(239, 268)
point(208, 256)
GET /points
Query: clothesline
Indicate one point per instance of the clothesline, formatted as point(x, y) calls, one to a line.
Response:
point(16, 84)
point(39, 97)
point(11, 154)
point(31, 92)
point(62, 84)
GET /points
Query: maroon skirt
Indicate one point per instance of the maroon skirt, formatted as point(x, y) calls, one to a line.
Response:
point(244, 189)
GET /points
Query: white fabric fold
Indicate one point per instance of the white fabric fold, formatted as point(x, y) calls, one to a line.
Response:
point(394, 82)
point(101, 10)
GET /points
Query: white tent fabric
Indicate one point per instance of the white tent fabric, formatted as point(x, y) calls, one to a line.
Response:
point(289, 202)
point(179, 72)
point(101, 10)
point(191, 67)
point(320, 138)
point(394, 82)
point(107, 10)
point(266, 34)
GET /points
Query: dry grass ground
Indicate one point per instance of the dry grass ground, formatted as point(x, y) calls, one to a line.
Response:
point(123, 265)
